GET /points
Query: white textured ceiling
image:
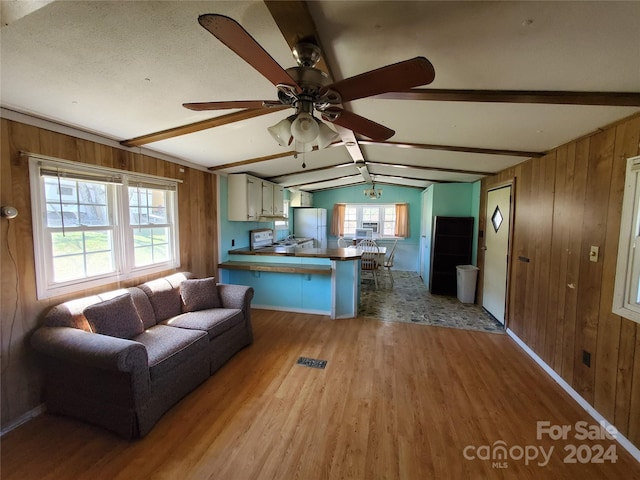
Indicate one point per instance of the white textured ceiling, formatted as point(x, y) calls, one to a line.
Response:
point(123, 69)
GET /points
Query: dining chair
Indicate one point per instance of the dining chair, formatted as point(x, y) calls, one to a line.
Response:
point(388, 262)
point(370, 260)
point(342, 243)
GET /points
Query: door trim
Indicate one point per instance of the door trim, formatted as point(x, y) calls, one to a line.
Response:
point(512, 210)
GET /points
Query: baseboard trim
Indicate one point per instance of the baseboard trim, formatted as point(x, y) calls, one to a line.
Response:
point(24, 418)
point(292, 309)
point(621, 439)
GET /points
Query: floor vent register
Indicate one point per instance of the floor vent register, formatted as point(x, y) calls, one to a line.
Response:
point(311, 362)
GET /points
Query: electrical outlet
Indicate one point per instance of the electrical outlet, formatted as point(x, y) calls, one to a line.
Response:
point(586, 358)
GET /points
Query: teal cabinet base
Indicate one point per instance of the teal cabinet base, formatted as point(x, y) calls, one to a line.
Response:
point(335, 295)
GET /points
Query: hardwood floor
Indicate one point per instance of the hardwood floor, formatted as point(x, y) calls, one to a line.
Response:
point(395, 400)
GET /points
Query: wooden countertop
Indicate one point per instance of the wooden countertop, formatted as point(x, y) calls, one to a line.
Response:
point(330, 253)
point(277, 267)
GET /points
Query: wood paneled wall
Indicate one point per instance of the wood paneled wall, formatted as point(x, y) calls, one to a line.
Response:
point(559, 302)
point(20, 311)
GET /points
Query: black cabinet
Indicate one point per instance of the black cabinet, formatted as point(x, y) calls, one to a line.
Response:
point(451, 246)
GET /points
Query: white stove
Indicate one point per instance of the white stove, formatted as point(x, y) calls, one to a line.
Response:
point(260, 238)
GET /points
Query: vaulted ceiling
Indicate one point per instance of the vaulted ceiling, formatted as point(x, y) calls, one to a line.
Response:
point(513, 80)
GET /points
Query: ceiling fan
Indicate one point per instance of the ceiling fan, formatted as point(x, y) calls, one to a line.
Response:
point(308, 89)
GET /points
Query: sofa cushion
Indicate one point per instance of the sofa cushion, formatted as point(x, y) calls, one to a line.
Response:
point(199, 294)
point(168, 347)
point(143, 305)
point(116, 317)
point(214, 321)
point(164, 295)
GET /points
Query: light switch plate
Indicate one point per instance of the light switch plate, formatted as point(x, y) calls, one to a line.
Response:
point(594, 253)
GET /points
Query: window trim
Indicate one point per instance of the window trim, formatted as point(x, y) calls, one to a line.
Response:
point(625, 281)
point(122, 247)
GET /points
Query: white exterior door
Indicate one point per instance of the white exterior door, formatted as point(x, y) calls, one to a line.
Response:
point(496, 237)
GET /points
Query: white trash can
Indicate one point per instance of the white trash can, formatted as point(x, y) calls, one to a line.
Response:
point(467, 276)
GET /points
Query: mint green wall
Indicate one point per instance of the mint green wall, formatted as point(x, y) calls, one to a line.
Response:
point(459, 200)
point(406, 256)
point(475, 213)
point(427, 221)
point(451, 200)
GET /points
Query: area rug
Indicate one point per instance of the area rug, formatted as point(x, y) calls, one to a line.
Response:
point(409, 301)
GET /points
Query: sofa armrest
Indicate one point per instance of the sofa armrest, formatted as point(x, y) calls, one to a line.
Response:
point(90, 349)
point(235, 296)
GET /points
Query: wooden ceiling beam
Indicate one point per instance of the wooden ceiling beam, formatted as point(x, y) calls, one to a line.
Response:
point(627, 99)
point(198, 126)
point(427, 168)
point(452, 148)
point(266, 158)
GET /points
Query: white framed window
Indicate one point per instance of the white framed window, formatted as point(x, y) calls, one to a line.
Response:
point(626, 296)
point(94, 225)
point(381, 219)
point(283, 224)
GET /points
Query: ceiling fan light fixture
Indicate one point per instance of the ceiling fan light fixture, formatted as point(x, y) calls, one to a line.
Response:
point(326, 136)
point(281, 131)
point(304, 128)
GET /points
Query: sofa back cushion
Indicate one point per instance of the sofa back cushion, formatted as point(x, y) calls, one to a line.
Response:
point(143, 305)
point(164, 295)
point(199, 294)
point(116, 317)
point(71, 312)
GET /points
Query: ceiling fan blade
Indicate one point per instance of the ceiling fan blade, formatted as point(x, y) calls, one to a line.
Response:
point(399, 76)
point(201, 106)
point(231, 33)
point(358, 124)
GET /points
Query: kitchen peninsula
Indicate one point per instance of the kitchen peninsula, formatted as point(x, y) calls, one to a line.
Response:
point(323, 281)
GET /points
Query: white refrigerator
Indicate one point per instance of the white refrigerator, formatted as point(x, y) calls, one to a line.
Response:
point(311, 222)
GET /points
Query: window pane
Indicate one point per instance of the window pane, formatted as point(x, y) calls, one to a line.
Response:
point(75, 202)
point(68, 268)
point(81, 254)
point(350, 220)
point(147, 206)
point(141, 237)
point(151, 245)
point(160, 253)
point(99, 263)
point(370, 214)
point(389, 228)
point(143, 256)
point(68, 244)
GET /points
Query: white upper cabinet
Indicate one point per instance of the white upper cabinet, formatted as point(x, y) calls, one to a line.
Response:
point(278, 200)
point(250, 198)
point(267, 198)
point(301, 199)
point(244, 197)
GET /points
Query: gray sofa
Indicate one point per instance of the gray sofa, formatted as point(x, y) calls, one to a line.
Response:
point(121, 359)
